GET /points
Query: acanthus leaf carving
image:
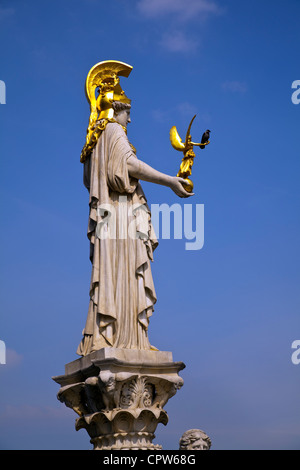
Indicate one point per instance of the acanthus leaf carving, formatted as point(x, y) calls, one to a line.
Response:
point(137, 393)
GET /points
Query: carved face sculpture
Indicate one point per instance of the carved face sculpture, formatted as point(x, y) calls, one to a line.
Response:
point(195, 439)
point(110, 384)
point(123, 117)
point(126, 396)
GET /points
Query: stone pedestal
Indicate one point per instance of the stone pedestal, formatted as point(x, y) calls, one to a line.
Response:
point(119, 395)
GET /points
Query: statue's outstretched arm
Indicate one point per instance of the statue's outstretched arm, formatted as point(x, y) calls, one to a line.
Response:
point(142, 171)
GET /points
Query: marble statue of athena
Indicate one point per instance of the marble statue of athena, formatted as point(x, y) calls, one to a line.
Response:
point(122, 239)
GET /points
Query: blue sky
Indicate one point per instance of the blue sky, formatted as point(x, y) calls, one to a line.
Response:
point(229, 311)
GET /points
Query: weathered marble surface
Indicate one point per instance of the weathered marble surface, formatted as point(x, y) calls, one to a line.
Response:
point(119, 395)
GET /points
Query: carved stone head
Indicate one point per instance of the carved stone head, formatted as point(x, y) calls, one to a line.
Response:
point(194, 439)
point(121, 112)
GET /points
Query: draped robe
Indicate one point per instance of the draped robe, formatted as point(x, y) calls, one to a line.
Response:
point(122, 293)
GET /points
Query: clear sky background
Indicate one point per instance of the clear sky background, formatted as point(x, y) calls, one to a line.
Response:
point(229, 311)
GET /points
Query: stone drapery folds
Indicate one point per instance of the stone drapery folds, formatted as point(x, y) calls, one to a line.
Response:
point(122, 293)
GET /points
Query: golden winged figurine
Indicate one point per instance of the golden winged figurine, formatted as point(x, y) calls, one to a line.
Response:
point(185, 170)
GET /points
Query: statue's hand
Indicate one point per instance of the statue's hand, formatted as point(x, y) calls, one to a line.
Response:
point(176, 186)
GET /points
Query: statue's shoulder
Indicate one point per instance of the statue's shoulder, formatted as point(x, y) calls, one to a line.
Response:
point(115, 129)
point(112, 126)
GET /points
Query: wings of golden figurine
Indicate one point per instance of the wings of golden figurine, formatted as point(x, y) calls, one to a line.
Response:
point(185, 170)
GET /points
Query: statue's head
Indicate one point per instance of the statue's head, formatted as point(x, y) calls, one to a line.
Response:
point(121, 112)
point(194, 439)
point(104, 77)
